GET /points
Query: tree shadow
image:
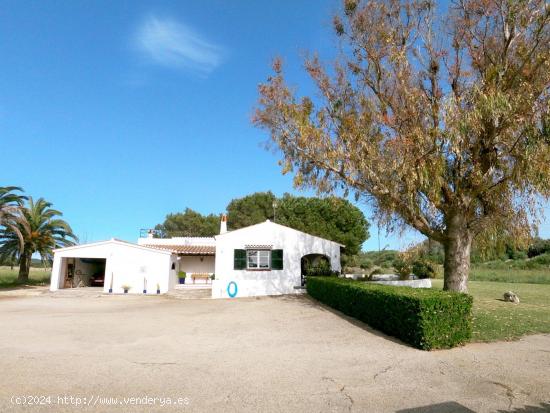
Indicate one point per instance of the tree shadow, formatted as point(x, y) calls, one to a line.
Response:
point(454, 407)
point(445, 407)
point(307, 301)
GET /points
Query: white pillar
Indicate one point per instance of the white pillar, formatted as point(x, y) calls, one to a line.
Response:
point(56, 273)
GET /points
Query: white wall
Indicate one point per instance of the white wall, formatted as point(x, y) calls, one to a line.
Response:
point(295, 245)
point(126, 264)
point(193, 264)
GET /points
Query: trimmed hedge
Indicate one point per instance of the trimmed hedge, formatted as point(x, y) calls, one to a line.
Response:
point(426, 319)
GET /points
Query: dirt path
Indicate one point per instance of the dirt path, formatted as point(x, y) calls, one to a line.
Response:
point(269, 354)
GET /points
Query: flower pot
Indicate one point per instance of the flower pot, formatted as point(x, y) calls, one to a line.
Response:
point(110, 290)
point(125, 291)
point(158, 291)
point(144, 291)
point(182, 280)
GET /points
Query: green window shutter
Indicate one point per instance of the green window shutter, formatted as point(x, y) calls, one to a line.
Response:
point(277, 259)
point(239, 260)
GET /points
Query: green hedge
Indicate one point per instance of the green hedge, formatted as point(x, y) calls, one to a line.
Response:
point(425, 318)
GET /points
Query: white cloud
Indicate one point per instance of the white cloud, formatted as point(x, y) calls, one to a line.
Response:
point(173, 44)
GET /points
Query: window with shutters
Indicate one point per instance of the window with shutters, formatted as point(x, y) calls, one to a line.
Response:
point(258, 259)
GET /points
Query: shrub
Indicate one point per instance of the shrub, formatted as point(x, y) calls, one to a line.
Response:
point(376, 272)
point(402, 267)
point(539, 247)
point(366, 264)
point(423, 268)
point(425, 318)
point(542, 260)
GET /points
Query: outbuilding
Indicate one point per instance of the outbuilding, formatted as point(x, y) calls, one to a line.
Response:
point(114, 265)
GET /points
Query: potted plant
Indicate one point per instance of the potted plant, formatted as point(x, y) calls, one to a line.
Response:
point(182, 276)
point(158, 288)
point(126, 287)
point(144, 285)
point(213, 277)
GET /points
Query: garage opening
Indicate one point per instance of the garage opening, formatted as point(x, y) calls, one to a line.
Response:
point(84, 272)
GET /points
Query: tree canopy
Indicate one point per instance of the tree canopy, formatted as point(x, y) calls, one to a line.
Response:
point(250, 209)
point(330, 217)
point(440, 122)
point(190, 223)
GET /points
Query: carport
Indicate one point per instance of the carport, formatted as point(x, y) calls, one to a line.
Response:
point(113, 265)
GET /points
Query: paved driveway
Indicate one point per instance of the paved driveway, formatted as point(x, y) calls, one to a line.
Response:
point(268, 354)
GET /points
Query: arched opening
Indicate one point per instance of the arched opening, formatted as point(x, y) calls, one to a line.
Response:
point(314, 264)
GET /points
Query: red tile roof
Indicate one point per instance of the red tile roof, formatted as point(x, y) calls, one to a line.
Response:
point(187, 249)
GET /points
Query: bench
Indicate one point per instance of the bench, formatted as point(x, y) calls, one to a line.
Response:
point(201, 276)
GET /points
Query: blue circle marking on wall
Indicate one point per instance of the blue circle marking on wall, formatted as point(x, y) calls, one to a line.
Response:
point(234, 292)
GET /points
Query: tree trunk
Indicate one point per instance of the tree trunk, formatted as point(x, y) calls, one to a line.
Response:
point(24, 267)
point(457, 247)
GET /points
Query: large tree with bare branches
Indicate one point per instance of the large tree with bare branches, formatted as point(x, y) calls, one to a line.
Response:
point(439, 118)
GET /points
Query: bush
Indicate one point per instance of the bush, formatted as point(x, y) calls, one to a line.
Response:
point(366, 264)
point(423, 268)
point(403, 268)
point(539, 247)
point(425, 318)
point(542, 260)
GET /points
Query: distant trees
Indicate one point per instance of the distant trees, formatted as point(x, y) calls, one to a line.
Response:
point(190, 223)
point(37, 229)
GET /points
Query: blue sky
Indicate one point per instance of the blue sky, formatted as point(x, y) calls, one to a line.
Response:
point(121, 112)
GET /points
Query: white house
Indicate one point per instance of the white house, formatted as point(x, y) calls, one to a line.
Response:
point(262, 259)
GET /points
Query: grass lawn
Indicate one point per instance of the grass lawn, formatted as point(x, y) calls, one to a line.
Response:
point(510, 275)
point(37, 276)
point(495, 319)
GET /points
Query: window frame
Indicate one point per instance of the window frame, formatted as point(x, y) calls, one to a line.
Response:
point(259, 260)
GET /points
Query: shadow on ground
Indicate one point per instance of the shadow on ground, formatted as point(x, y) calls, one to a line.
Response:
point(306, 301)
point(454, 407)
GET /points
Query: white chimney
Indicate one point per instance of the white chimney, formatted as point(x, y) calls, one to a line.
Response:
point(223, 224)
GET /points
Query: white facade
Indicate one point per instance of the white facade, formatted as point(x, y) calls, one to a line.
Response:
point(125, 264)
point(271, 236)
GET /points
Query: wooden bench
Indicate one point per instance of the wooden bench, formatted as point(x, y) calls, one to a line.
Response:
point(201, 276)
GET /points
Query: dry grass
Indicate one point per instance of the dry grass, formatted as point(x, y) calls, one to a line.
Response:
point(37, 276)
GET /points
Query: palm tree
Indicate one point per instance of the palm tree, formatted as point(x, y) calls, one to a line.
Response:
point(10, 210)
point(42, 232)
